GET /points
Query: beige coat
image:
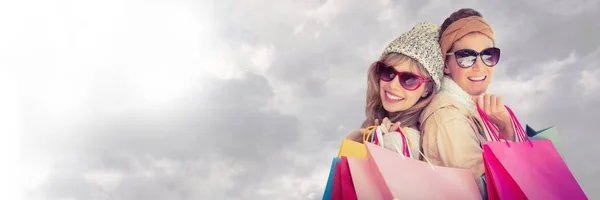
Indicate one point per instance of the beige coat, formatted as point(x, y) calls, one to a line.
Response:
point(452, 135)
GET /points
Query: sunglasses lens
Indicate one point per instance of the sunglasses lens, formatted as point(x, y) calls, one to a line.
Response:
point(410, 81)
point(386, 73)
point(490, 56)
point(465, 57)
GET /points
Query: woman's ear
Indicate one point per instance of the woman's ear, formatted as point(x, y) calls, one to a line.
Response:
point(446, 69)
point(428, 90)
point(425, 92)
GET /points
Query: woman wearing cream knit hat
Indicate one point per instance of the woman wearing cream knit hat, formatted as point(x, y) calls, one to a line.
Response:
point(401, 83)
point(451, 126)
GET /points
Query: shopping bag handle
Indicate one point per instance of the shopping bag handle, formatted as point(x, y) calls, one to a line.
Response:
point(368, 133)
point(491, 128)
point(405, 149)
point(494, 131)
point(519, 131)
point(407, 145)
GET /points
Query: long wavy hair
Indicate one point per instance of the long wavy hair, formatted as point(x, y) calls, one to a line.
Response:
point(374, 109)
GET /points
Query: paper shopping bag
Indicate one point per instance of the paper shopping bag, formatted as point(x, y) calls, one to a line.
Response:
point(351, 148)
point(489, 187)
point(364, 184)
point(348, 192)
point(336, 189)
point(484, 186)
point(550, 133)
point(529, 169)
point(398, 177)
point(532, 170)
point(494, 177)
point(330, 179)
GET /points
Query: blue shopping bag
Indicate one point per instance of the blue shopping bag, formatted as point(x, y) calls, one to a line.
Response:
point(327, 193)
point(550, 133)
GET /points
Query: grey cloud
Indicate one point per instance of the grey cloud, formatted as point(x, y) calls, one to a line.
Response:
point(227, 121)
point(307, 62)
point(301, 57)
point(544, 34)
point(140, 178)
point(221, 118)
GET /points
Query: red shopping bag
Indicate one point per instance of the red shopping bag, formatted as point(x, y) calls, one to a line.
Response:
point(343, 187)
point(336, 189)
point(348, 192)
point(399, 177)
point(532, 169)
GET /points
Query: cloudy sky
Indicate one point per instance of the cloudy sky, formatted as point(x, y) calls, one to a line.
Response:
point(182, 99)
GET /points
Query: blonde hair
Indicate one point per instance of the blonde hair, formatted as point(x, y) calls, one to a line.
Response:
point(374, 109)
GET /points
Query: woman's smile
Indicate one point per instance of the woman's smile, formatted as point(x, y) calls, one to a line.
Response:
point(392, 98)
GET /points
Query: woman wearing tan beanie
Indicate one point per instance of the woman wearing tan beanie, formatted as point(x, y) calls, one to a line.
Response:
point(452, 131)
point(401, 83)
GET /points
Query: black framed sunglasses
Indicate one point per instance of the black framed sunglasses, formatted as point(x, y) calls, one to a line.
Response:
point(466, 58)
point(408, 80)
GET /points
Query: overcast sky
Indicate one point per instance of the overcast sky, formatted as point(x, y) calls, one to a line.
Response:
point(132, 99)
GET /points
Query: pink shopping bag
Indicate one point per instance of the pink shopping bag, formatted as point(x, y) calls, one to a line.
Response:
point(399, 177)
point(363, 180)
point(493, 176)
point(490, 188)
point(532, 169)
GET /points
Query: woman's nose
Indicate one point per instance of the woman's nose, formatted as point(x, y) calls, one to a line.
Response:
point(395, 83)
point(478, 65)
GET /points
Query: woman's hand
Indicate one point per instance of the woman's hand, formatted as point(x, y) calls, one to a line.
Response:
point(388, 125)
point(494, 108)
point(356, 135)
